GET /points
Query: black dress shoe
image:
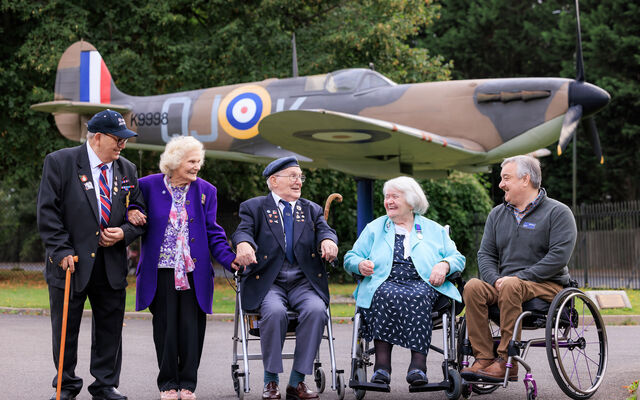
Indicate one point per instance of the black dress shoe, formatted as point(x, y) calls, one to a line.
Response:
point(108, 393)
point(64, 395)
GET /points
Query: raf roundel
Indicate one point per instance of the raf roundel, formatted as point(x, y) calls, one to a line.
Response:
point(242, 109)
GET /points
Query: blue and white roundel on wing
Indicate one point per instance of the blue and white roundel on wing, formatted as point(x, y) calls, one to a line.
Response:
point(244, 111)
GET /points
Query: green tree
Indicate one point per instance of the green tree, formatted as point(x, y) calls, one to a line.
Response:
point(176, 45)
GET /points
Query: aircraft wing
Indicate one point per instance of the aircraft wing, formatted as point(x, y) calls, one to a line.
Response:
point(354, 144)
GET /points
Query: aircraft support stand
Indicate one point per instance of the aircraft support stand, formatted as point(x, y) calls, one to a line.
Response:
point(365, 202)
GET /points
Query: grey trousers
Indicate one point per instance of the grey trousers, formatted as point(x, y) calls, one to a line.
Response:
point(298, 295)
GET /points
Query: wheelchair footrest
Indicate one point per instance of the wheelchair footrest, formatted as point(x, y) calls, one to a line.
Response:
point(429, 387)
point(374, 387)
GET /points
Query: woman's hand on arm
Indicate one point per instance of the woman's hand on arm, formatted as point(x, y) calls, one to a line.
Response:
point(136, 217)
point(439, 273)
point(366, 267)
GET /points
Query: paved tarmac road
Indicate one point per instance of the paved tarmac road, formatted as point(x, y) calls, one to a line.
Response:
point(27, 366)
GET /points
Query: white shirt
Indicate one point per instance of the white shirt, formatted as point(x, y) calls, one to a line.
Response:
point(405, 241)
point(94, 161)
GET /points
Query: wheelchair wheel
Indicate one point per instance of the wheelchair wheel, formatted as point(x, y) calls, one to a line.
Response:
point(466, 391)
point(576, 342)
point(360, 375)
point(319, 377)
point(455, 385)
point(340, 386)
point(531, 394)
point(238, 382)
point(477, 388)
point(239, 387)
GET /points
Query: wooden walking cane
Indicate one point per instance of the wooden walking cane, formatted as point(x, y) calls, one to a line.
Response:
point(63, 337)
point(327, 204)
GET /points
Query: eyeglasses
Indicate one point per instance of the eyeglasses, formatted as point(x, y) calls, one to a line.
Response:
point(293, 178)
point(121, 142)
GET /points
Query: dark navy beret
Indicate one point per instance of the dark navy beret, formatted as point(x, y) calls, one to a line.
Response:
point(109, 121)
point(280, 164)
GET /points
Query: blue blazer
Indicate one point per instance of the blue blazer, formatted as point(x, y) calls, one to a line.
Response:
point(260, 226)
point(376, 243)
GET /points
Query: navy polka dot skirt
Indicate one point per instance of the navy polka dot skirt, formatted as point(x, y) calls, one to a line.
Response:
point(400, 311)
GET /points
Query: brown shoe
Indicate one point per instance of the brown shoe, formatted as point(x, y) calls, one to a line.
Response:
point(300, 392)
point(270, 391)
point(478, 364)
point(496, 371)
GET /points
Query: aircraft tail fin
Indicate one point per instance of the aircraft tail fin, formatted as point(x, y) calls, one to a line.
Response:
point(83, 87)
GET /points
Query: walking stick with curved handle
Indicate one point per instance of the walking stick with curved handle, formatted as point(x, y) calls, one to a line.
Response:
point(327, 204)
point(63, 337)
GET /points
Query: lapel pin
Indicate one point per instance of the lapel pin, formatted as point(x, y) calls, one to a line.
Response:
point(419, 231)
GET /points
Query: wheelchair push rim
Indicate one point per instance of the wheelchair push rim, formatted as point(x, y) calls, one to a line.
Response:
point(576, 343)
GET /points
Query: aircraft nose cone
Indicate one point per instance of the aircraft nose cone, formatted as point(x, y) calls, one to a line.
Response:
point(590, 97)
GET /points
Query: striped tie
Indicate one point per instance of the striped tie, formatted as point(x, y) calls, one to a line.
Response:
point(105, 200)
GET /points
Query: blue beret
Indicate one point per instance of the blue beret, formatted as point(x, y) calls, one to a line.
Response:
point(280, 164)
point(109, 121)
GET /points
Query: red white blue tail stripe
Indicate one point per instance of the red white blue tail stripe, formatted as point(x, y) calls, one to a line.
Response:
point(95, 79)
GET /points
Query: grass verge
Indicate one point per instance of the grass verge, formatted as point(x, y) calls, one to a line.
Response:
point(27, 289)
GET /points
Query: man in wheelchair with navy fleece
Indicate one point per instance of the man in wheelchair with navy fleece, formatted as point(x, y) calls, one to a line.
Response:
point(526, 245)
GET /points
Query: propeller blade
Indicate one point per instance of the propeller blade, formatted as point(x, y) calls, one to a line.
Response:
point(579, 60)
point(569, 125)
point(592, 130)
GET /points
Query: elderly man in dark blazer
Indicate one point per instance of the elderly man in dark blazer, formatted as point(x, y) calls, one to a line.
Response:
point(82, 202)
point(282, 238)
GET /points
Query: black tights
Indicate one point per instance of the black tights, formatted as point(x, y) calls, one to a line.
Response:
point(383, 357)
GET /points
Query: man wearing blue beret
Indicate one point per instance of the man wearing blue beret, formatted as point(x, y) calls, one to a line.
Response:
point(282, 239)
point(82, 204)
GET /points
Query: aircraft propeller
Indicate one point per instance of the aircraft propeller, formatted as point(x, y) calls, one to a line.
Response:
point(585, 99)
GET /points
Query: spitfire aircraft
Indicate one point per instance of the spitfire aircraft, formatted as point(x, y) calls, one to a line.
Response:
point(352, 120)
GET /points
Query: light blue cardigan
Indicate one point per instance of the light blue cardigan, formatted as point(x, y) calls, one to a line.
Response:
point(376, 244)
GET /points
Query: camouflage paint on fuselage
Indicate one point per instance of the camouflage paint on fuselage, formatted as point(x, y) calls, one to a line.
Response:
point(378, 128)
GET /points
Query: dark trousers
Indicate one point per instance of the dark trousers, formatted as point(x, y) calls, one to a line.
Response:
point(291, 290)
point(107, 306)
point(178, 332)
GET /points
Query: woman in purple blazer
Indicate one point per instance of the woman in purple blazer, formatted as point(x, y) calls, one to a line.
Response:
point(175, 274)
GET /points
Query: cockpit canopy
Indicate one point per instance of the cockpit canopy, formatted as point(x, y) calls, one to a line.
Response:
point(347, 80)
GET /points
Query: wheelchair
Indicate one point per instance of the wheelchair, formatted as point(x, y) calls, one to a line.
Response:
point(443, 315)
point(246, 330)
point(575, 340)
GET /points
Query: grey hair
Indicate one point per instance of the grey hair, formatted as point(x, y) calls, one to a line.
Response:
point(413, 193)
point(90, 135)
point(175, 151)
point(527, 165)
point(269, 182)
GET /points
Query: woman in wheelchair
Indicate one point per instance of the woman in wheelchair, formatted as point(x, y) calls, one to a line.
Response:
point(403, 260)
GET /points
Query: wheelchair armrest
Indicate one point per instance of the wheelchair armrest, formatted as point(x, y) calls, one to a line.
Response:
point(456, 279)
point(455, 276)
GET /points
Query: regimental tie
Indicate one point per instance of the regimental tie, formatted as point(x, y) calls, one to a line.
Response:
point(287, 217)
point(105, 198)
